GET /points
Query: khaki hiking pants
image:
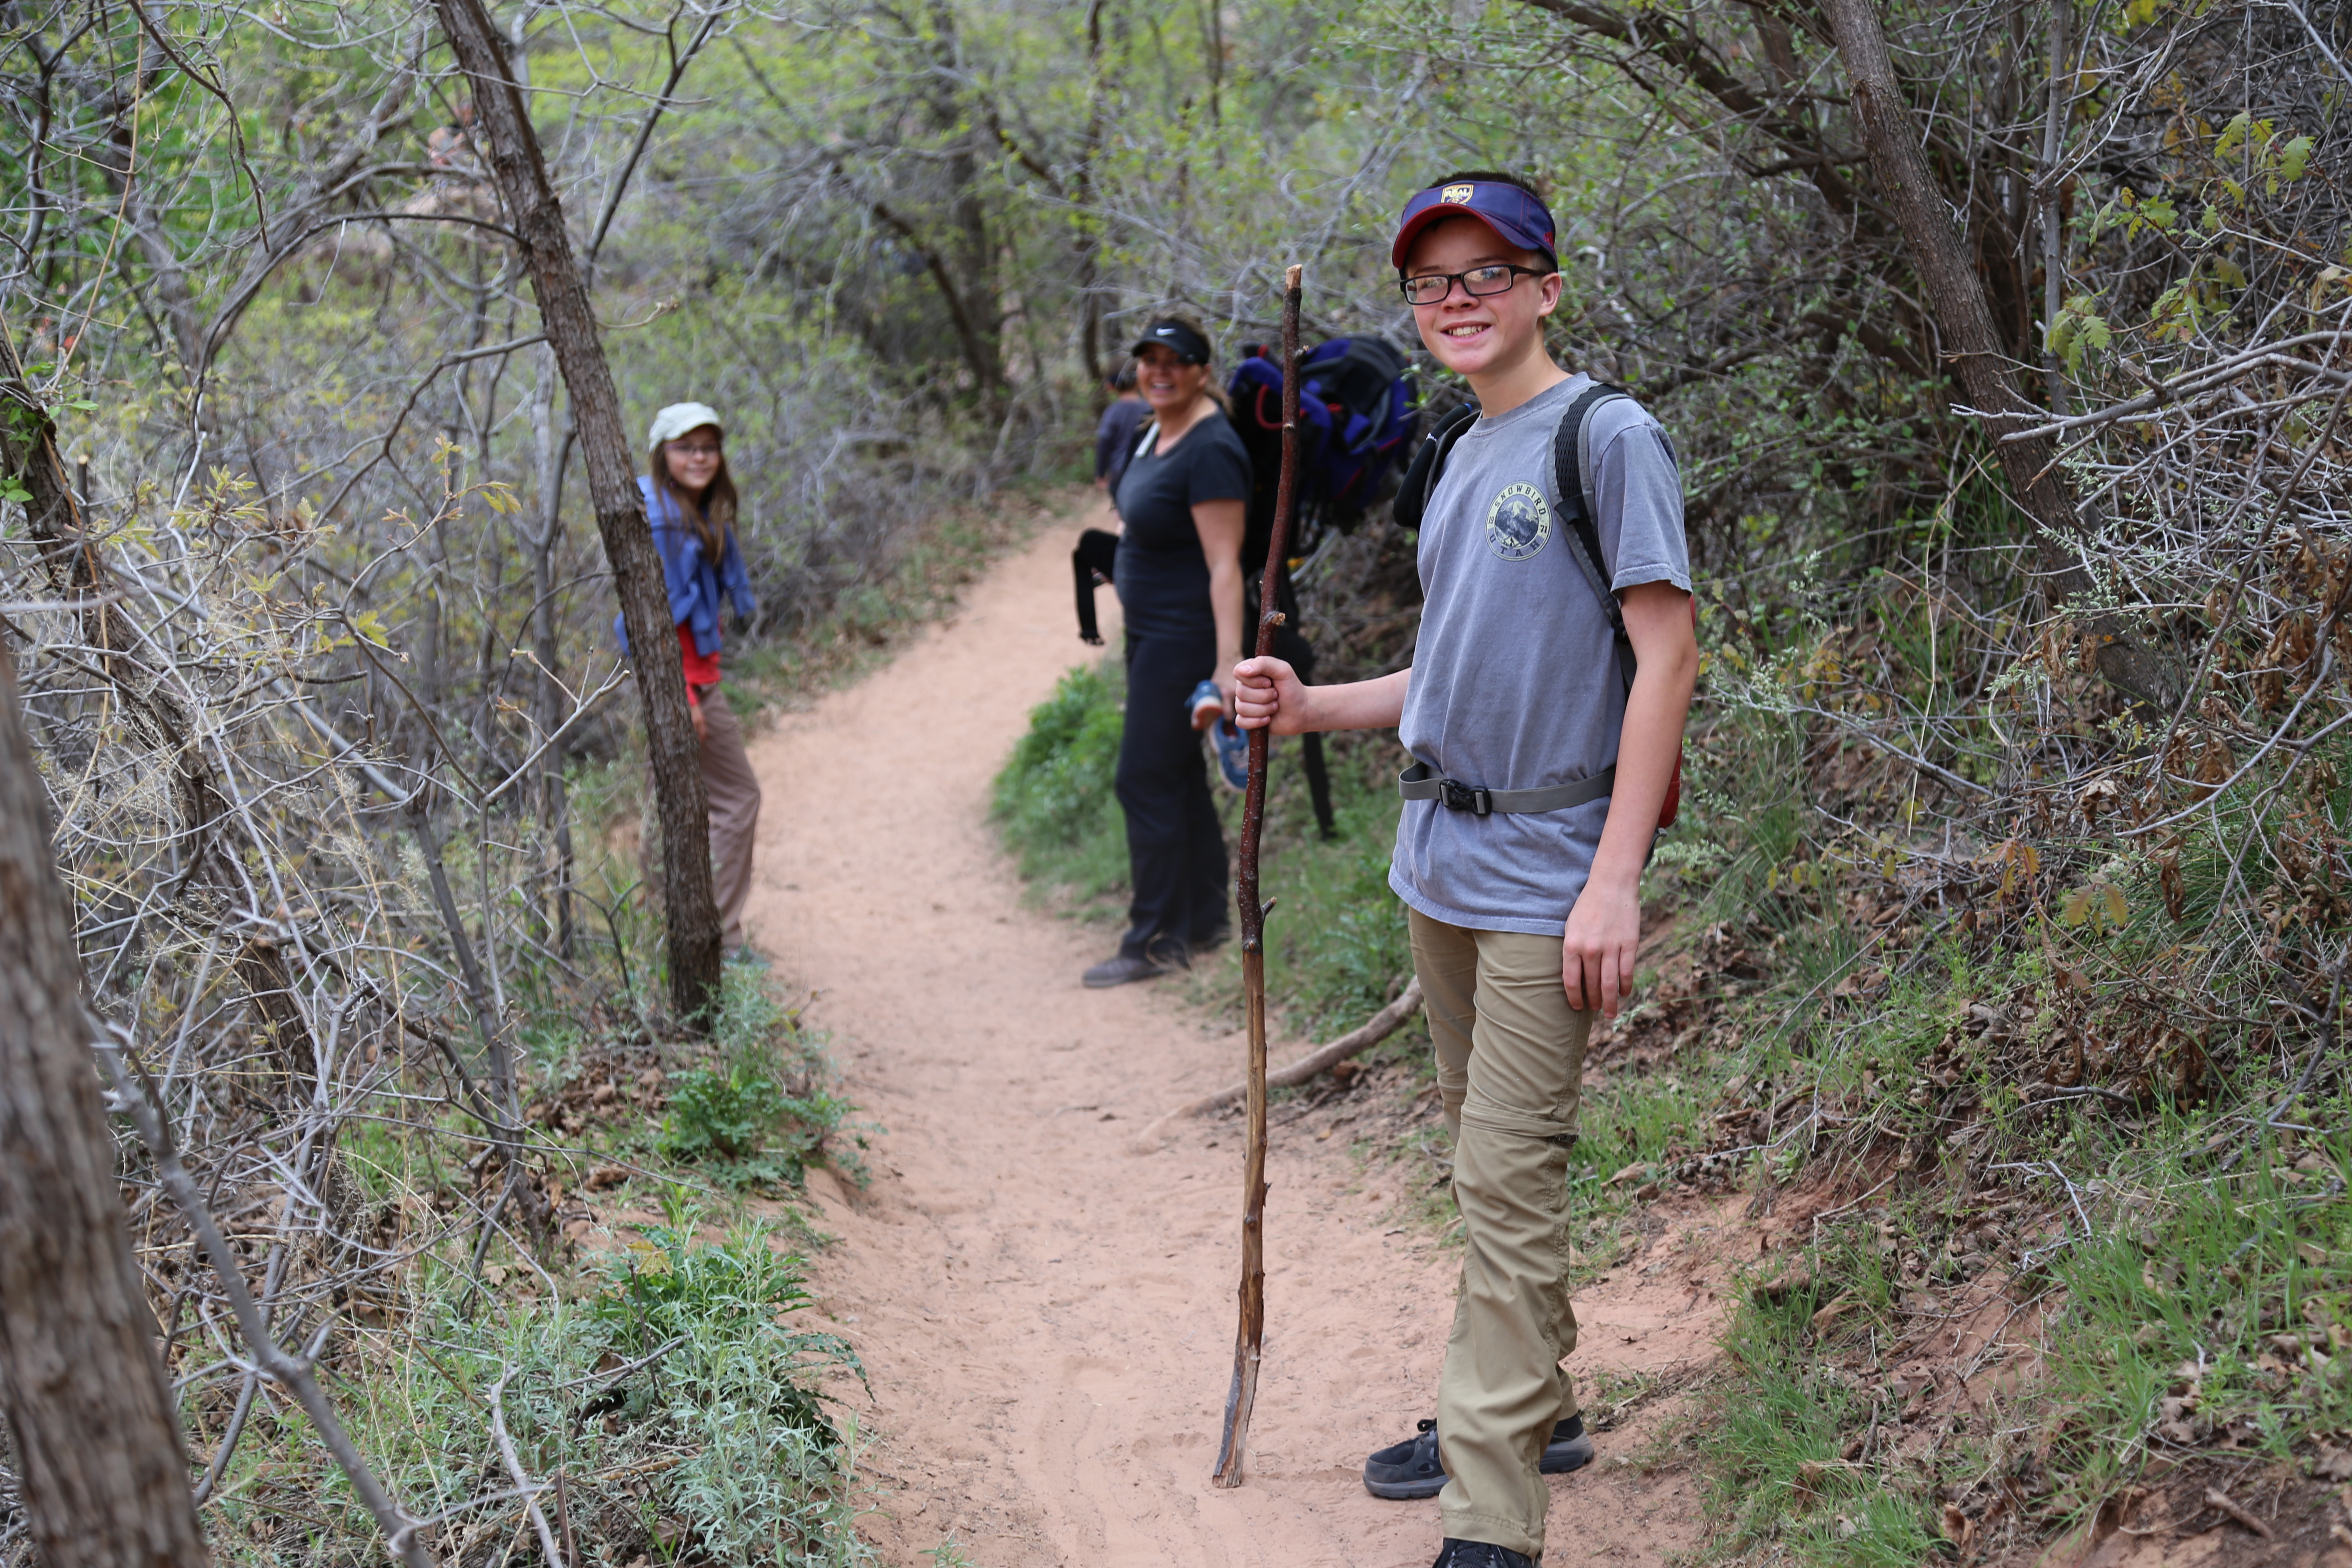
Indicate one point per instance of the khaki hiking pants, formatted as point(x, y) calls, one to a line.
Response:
point(734, 792)
point(1510, 1070)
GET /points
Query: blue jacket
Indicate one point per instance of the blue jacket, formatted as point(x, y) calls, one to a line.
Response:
point(695, 580)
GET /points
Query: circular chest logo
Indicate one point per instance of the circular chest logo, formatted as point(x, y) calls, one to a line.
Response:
point(1520, 522)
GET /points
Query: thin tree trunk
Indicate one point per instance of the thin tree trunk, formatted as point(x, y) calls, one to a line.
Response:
point(2054, 221)
point(105, 1482)
point(570, 322)
point(1940, 252)
point(1090, 230)
point(553, 454)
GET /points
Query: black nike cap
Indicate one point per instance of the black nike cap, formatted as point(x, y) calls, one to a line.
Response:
point(1190, 346)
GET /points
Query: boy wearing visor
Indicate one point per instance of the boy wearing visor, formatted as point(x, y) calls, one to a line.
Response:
point(1545, 739)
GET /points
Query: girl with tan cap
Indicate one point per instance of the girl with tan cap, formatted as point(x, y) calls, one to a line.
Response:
point(690, 502)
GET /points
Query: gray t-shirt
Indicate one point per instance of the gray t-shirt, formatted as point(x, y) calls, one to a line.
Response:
point(1515, 682)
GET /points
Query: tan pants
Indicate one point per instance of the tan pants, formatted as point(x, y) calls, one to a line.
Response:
point(1510, 1070)
point(734, 792)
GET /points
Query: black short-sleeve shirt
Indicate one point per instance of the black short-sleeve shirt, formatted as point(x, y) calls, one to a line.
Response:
point(1161, 575)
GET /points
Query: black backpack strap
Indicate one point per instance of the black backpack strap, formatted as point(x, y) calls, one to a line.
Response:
point(1428, 463)
point(1571, 481)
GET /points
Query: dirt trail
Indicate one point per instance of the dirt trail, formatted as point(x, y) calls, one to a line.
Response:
point(1046, 1317)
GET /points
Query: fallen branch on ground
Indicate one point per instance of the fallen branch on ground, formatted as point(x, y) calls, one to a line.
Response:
point(1379, 1027)
point(2216, 1497)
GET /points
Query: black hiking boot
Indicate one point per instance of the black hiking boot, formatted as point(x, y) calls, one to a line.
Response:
point(1479, 1555)
point(1411, 1468)
point(1162, 956)
point(1121, 970)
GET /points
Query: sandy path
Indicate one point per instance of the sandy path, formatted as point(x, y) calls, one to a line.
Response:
point(1046, 1317)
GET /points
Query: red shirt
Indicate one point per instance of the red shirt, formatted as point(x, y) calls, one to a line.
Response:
point(701, 669)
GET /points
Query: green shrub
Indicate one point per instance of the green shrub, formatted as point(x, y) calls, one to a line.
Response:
point(1055, 801)
point(724, 1115)
point(761, 1485)
point(676, 1398)
point(759, 1115)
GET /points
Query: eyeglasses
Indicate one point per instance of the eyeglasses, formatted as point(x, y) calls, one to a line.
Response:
point(1432, 288)
point(694, 451)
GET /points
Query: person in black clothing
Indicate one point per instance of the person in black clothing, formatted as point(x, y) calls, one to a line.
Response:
point(1179, 576)
point(1115, 437)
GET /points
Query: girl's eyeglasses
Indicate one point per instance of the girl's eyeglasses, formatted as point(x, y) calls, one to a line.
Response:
point(1433, 286)
point(697, 450)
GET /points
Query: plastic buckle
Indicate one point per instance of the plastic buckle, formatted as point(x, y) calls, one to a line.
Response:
point(1465, 797)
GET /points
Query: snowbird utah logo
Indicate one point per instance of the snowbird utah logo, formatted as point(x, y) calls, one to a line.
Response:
point(1520, 522)
point(1457, 193)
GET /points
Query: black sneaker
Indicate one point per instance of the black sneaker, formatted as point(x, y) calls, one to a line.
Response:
point(1122, 970)
point(1411, 1468)
point(1479, 1555)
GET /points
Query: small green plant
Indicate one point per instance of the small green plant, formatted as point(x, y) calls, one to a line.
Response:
point(759, 1115)
point(722, 1114)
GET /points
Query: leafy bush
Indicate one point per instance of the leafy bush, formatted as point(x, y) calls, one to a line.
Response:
point(675, 1400)
point(1055, 801)
point(733, 1383)
point(759, 1115)
point(716, 1114)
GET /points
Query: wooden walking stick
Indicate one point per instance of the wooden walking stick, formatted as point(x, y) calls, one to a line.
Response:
point(1252, 1332)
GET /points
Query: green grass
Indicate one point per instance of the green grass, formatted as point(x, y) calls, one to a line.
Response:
point(1773, 1439)
point(1054, 801)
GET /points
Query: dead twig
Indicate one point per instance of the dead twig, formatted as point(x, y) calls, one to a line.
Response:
point(523, 1483)
point(2216, 1497)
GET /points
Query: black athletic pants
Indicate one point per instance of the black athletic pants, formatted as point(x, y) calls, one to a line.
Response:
point(1175, 846)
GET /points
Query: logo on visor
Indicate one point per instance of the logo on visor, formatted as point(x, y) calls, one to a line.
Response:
point(1457, 194)
point(1520, 522)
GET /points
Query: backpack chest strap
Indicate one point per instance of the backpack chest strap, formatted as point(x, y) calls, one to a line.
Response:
point(1420, 781)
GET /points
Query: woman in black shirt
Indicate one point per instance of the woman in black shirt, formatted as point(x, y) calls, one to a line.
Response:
point(1179, 577)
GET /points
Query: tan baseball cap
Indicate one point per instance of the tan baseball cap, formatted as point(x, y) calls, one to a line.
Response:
point(678, 418)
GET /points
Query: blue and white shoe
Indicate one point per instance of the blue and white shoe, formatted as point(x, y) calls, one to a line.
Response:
point(1206, 706)
point(1232, 752)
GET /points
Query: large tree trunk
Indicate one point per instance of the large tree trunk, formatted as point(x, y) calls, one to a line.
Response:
point(570, 322)
point(1954, 292)
point(105, 1482)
